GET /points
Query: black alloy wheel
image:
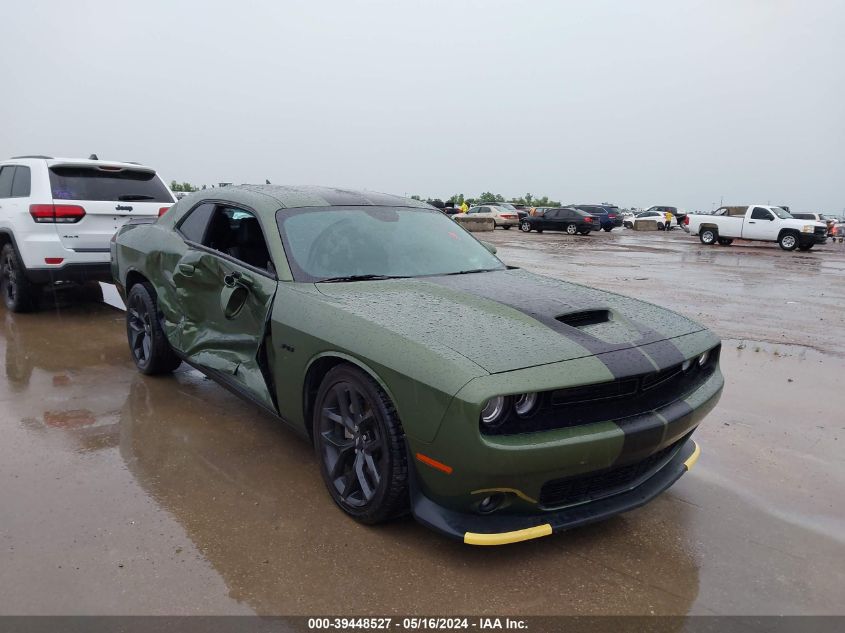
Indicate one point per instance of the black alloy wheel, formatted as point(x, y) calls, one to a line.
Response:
point(19, 294)
point(148, 344)
point(360, 444)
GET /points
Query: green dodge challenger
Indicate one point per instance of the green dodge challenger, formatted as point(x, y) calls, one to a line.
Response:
point(493, 404)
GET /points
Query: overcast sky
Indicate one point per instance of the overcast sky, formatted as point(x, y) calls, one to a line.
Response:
point(636, 103)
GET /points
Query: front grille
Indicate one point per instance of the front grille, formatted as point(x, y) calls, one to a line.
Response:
point(820, 230)
point(584, 488)
point(612, 400)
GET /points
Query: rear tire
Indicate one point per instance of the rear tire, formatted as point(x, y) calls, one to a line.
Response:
point(360, 444)
point(571, 229)
point(148, 344)
point(506, 226)
point(788, 241)
point(708, 237)
point(19, 294)
point(539, 230)
point(584, 232)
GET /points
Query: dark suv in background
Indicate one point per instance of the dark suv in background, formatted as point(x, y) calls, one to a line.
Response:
point(607, 215)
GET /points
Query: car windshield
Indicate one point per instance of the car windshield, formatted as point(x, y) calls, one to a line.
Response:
point(783, 215)
point(339, 242)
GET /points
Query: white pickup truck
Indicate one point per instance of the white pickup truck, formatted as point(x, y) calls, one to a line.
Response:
point(756, 222)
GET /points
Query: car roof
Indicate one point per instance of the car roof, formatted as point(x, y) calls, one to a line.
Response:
point(295, 196)
point(82, 162)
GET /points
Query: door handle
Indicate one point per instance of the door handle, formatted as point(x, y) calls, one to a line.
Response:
point(751, 222)
point(187, 269)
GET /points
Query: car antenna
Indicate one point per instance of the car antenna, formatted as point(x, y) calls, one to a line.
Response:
point(266, 181)
point(93, 157)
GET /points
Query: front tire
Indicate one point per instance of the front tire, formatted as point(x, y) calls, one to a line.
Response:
point(525, 226)
point(506, 226)
point(725, 241)
point(360, 443)
point(708, 237)
point(148, 344)
point(584, 232)
point(806, 247)
point(788, 241)
point(19, 294)
point(608, 229)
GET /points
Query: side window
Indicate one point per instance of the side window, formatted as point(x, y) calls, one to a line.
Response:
point(759, 213)
point(193, 227)
point(237, 233)
point(552, 214)
point(21, 183)
point(7, 173)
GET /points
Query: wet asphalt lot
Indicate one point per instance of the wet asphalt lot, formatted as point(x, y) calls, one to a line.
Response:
point(121, 494)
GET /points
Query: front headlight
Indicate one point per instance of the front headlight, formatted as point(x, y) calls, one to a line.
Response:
point(702, 360)
point(495, 412)
point(526, 404)
point(808, 228)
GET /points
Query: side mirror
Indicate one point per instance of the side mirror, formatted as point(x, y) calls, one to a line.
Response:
point(490, 247)
point(771, 219)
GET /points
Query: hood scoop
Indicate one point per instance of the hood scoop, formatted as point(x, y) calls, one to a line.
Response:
point(584, 318)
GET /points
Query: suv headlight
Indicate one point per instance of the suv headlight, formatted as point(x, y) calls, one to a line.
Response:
point(808, 228)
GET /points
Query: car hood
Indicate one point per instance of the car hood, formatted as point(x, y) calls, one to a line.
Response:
point(512, 319)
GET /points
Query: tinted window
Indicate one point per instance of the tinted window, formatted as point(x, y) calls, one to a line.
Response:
point(193, 226)
point(552, 214)
point(21, 184)
point(341, 241)
point(760, 213)
point(94, 183)
point(6, 174)
point(237, 233)
point(803, 216)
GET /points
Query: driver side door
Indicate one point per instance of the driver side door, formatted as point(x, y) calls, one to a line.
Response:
point(760, 225)
point(225, 282)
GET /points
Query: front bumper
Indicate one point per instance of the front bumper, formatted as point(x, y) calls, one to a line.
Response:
point(474, 529)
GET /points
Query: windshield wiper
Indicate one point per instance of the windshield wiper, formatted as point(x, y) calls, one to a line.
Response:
point(135, 196)
point(470, 272)
point(332, 280)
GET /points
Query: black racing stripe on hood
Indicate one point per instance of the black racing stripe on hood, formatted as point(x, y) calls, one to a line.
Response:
point(621, 359)
point(664, 353)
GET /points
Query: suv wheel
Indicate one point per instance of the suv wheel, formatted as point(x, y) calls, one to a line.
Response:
point(19, 294)
point(361, 446)
point(150, 348)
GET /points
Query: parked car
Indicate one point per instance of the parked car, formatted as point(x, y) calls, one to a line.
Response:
point(830, 223)
point(57, 216)
point(563, 219)
point(502, 216)
point(660, 216)
point(607, 215)
point(540, 211)
point(325, 307)
point(678, 214)
point(756, 222)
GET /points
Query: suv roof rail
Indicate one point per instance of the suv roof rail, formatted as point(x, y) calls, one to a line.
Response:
point(32, 156)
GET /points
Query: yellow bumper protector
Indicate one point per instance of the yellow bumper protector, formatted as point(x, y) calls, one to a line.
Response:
point(503, 538)
point(690, 461)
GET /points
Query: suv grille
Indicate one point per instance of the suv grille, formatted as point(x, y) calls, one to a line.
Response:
point(583, 488)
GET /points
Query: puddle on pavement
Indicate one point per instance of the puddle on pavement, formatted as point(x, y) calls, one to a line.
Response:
point(735, 535)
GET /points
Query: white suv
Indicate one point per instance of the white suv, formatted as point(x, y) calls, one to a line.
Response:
point(57, 217)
